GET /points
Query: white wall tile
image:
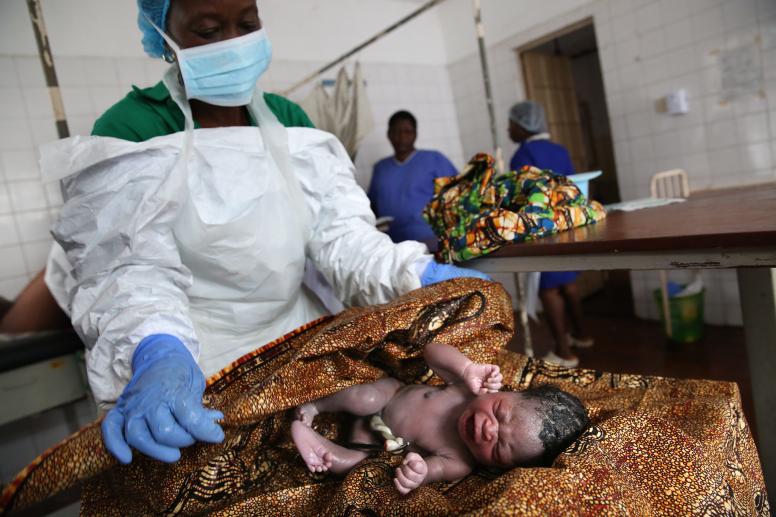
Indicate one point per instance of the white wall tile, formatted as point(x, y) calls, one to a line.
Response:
point(697, 167)
point(13, 264)
point(679, 33)
point(682, 60)
point(101, 72)
point(42, 131)
point(20, 164)
point(652, 43)
point(627, 52)
point(709, 22)
point(12, 103)
point(37, 102)
point(667, 144)
point(754, 128)
point(642, 149)
point(750, 104)
point(71, 71)
point(103, 97)
point(693, 139)
point(724, 162)
point(27, 195)
point(719, 134)
point(5, 199)
point(10, 289)
point(8, 234)
point(675, 10)
point(30, 72)
point(756, 157)
point(35, 255)
point(14, 134)
point(650, 16)
point(717, 109)
point(132, 71)
point(739, 14)
point(77, 101)
point(8, 77)
point(155, 69)
point(623, 27)
point(81, 124)
point(33, 226)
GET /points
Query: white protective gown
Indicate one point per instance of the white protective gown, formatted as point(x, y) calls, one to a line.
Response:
point(212, 251)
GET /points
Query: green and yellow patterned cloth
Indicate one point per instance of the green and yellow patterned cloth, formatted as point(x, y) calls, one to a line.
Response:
point(477, 212)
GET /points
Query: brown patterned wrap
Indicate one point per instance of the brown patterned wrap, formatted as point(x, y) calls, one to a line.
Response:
point(656, 447)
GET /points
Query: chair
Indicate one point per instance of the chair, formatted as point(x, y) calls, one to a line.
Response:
point(668, 184)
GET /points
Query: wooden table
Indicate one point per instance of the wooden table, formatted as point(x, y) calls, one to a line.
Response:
point(732, 228)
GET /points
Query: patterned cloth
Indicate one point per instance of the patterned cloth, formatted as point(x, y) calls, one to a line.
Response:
point(656, 446)
point(476, 212)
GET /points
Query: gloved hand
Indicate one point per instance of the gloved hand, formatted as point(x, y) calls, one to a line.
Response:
point(161, 409)
point(436, 272)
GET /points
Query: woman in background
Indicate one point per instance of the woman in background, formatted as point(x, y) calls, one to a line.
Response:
point(557, 290)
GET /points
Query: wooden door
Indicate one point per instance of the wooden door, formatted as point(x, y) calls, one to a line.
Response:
point(548, 81)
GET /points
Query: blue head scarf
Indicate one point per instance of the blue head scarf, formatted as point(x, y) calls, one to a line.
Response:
point(156, 10)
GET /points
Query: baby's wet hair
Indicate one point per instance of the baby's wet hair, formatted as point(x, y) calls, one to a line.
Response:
point(563, 419)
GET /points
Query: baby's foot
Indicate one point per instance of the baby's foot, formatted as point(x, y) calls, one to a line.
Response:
point(306, 413)
point(311, 446)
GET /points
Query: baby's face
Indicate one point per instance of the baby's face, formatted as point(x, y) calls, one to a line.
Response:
point(501, 429)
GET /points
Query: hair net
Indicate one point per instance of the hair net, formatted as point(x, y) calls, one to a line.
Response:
point(530, 116)
point(156, 10)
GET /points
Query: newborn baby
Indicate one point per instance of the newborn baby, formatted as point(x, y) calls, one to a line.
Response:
point(456, 427)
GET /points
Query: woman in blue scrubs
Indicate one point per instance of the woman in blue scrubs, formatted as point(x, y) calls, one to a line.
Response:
point(403, 184)
point(557, 291)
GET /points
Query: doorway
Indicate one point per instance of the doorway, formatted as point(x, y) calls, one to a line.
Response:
point(562, 71)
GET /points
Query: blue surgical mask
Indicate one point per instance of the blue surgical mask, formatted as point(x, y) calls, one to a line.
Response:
point(223, 73)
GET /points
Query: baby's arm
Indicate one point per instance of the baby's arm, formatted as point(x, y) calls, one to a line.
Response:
point(454, 367)
point(416, 471)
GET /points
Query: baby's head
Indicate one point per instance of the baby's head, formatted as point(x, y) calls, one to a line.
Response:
point(528, 428)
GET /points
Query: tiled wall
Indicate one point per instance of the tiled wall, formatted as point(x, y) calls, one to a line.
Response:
point(722, 51)
point(89, 86)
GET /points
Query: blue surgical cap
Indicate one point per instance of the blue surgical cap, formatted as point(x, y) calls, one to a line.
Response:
point(530, 116)
point(156, 11)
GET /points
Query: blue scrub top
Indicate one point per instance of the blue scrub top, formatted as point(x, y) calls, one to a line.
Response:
point(402, 190)
point(543, 154)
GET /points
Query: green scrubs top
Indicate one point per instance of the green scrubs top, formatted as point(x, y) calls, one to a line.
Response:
point(146, 113)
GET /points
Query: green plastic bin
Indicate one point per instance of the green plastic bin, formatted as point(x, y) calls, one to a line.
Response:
point(686, 316)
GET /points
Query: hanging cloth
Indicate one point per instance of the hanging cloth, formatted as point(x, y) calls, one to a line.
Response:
point(345, 113)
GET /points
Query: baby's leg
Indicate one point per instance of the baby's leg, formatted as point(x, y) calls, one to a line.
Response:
point(321, 454)
point(361, 400)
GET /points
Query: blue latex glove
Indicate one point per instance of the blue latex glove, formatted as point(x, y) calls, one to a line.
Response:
point(161, 409)
point(436, 272)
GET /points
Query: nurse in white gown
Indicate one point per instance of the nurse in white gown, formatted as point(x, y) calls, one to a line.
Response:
point(182, 253)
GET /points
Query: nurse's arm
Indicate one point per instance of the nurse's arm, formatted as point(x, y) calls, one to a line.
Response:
point(361, 263)
point(116, 228)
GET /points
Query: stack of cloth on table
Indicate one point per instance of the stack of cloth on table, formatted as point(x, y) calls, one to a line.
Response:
point(477, 212)
point(655, 446)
